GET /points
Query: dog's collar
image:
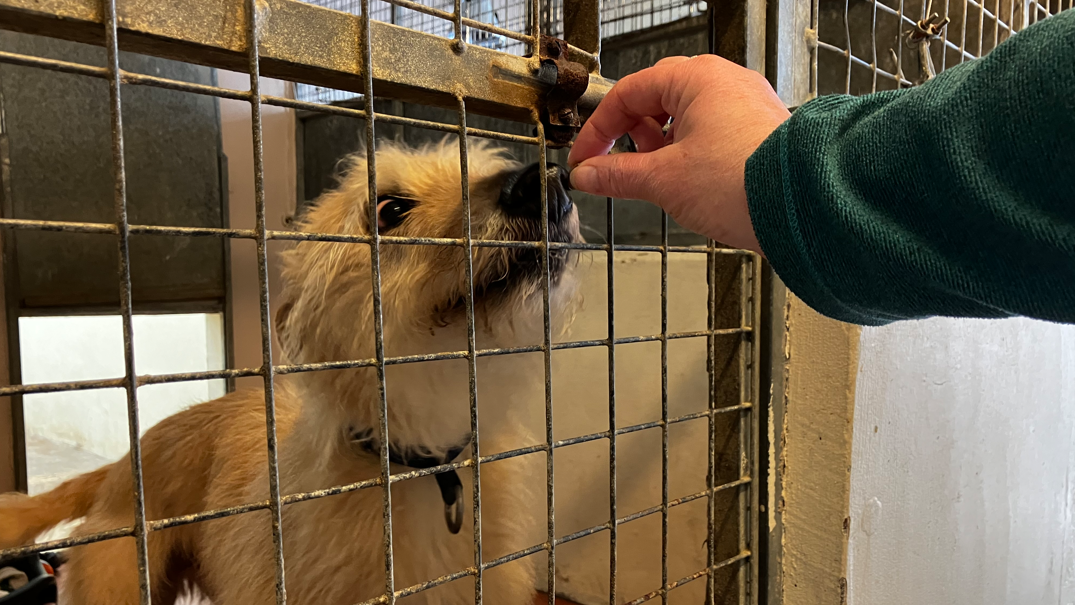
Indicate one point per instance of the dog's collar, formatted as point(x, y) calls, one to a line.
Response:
point(451, 488)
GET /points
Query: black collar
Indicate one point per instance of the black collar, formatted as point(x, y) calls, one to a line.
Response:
point(451, 488)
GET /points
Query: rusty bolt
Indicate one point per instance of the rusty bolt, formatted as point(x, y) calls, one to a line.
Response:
point(566, 114)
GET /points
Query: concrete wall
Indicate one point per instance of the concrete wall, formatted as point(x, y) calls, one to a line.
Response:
point(580, 382)
point(964, 461)
point(278, 126)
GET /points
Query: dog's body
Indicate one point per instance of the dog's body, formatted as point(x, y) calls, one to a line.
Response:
point(214, 455)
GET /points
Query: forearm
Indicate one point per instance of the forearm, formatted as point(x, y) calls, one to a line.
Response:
point(954, 198)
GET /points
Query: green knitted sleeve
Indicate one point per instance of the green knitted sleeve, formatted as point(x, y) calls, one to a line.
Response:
point(955, 198)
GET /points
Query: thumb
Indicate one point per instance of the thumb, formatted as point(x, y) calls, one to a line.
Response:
point(622, 175)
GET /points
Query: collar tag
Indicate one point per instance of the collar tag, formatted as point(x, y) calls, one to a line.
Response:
point(451, 487)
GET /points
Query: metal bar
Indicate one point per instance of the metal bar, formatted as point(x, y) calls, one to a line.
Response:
point(341, 489)
point(221, 513)
point(858, 61)
point(83, 385)
point(873, 47)
point(457, 26)
point(756, 460)
point(899, 43)
point(963, 35)
point(904, 19)
point(589, 56)
point(813, 35)
point(688, 579)
point(31, 549)
point(745, 443)
point(514, 556)
point(611, 289)
point(582, 25)
point(253, 33)
point(534, 24)
point(471, 571)
point(472, 347)
point(133, 78)
point(110, 229)
point(996, 23)
point(307, 44)
point(664, 405)
point(367, 44)
point(945, 43)
point(711, 372)
point(546, 335)
point(850, 53)
point(457, 18)
point(589, 531)
point(678, 501)
point(119, 175)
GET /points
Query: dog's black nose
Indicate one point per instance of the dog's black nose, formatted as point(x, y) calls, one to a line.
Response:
point(521, 192)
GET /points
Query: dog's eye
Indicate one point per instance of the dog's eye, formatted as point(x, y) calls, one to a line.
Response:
point(391, 211)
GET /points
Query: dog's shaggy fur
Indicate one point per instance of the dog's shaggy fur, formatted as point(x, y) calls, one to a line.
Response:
point(213, 455)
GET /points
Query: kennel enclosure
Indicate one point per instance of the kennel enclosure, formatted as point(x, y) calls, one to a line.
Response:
point(455, 71)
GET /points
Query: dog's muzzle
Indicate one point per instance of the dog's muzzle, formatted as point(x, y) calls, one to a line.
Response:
point(521, 193)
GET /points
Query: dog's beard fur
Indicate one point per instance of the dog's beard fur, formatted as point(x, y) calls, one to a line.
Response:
point(327, 309)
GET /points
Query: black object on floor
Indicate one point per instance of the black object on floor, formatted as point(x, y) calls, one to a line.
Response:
point(40, 588)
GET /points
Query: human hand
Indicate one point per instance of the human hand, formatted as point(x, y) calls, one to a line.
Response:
point(722, 112)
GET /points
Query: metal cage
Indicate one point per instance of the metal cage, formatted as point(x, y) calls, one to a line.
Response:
point(863, 46)
point(354, 52)
point(617, 17)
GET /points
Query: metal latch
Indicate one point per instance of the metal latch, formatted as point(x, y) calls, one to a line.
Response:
point(560, 114)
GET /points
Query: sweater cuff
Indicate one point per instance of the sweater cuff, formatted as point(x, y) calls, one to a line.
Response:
point(777, 225)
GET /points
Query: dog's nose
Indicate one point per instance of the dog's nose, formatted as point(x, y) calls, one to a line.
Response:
point(521, 192)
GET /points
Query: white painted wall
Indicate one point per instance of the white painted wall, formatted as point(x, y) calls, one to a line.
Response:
point(963, 464)
point(91, 347)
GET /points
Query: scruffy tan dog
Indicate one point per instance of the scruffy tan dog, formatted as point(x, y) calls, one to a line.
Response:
point(214, 455)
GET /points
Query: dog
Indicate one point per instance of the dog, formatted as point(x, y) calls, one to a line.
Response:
point(213, 455)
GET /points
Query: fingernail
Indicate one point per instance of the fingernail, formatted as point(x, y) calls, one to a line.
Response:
point(583, 178)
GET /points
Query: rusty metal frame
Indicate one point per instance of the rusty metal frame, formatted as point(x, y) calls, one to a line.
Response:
point(312, 45)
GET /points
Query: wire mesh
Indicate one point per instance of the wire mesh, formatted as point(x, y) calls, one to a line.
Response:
point(862, 46)
point(435, 17)
point(253, 57)
point(743, 333)
point(139, 531)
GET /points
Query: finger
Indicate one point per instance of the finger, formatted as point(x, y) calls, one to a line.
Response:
point(648, 135)
point(639, 95)
point(622, 175)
